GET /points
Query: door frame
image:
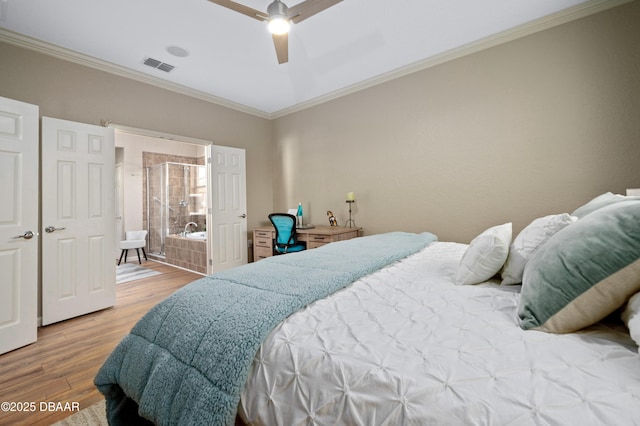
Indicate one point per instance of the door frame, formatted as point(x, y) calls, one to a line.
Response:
point(208, 144)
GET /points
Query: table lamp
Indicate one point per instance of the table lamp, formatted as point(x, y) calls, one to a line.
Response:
point(351, 198)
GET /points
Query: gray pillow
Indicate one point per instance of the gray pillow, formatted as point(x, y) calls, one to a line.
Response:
point(584, 272)
point(600, 201)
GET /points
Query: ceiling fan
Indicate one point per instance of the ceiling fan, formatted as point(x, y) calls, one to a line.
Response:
point(279, 18)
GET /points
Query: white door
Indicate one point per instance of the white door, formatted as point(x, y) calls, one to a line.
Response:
point(119, 208)
point(78, 219)
point(18, 224)
point(228, 213)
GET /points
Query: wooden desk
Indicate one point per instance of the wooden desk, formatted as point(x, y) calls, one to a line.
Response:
point(315, 237)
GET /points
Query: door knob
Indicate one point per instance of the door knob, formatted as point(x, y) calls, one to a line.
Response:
point(52, 229)
point(27, 235)
point(242, 216)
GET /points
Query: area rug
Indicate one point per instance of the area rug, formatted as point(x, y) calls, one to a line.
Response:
point(95, 415)
point(126, 272)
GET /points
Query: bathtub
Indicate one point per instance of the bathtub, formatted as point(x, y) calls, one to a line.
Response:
point(197, 235)
point(189, 252)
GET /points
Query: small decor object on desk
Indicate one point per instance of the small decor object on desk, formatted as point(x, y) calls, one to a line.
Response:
point(299, 216)
point(351, 198)
point(332, 219)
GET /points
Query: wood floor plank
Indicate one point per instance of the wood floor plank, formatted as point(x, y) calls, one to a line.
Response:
point(61, 365)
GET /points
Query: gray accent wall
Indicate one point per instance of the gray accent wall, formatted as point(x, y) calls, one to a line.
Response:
point(531, 127)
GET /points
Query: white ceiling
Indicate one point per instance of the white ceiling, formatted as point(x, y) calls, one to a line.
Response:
point(231, 56)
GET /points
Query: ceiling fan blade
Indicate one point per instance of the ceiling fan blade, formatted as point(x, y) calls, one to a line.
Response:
point(245, 10)
point(281, 42)
point(307, 8)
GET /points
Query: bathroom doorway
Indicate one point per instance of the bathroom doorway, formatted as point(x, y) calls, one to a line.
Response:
point(166, 186)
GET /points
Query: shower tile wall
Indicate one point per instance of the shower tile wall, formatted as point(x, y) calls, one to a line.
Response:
point(176, 194)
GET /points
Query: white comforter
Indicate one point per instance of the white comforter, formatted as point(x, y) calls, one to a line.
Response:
point(407, 346)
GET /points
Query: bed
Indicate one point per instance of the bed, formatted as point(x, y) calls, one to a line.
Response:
point(537, 329)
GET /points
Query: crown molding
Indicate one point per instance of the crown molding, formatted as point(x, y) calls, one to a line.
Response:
point(550, 21)
point(156, 134)
point(89, 61)
point(541, 24)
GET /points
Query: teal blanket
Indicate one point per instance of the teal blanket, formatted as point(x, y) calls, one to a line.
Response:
point(186, 361)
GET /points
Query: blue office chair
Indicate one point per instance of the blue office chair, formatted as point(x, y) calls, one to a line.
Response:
point(286, 241)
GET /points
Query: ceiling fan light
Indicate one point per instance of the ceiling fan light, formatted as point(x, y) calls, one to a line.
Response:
point(278, 18)
point(279, 25)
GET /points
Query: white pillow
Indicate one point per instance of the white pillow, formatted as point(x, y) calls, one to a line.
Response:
point(485, 255)
point(631, 317)
point(528, 241)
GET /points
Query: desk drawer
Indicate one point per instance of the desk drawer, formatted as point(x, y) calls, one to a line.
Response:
point(262, 252)
point(320, 239)
point(263, 241)
point(316, 240)
point(261, 234)
point(312, 245)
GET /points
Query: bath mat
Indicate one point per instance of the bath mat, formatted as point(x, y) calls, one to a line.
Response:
point(126, 272)
point(94, 415)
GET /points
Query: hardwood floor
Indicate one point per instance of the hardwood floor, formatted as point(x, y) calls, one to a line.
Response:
point(61, 365)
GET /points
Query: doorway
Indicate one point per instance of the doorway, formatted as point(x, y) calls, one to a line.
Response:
point(168, 183)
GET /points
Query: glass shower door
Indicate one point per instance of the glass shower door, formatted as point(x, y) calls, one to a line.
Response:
point(156, 207)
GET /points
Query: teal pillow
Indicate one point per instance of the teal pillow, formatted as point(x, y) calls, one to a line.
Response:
point(600, 201)
point(584, 272)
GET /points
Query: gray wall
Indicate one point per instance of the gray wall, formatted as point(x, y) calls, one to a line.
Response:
point(531, 127)
point(73, 92)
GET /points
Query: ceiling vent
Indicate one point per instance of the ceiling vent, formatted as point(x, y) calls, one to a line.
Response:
point(162, 66)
